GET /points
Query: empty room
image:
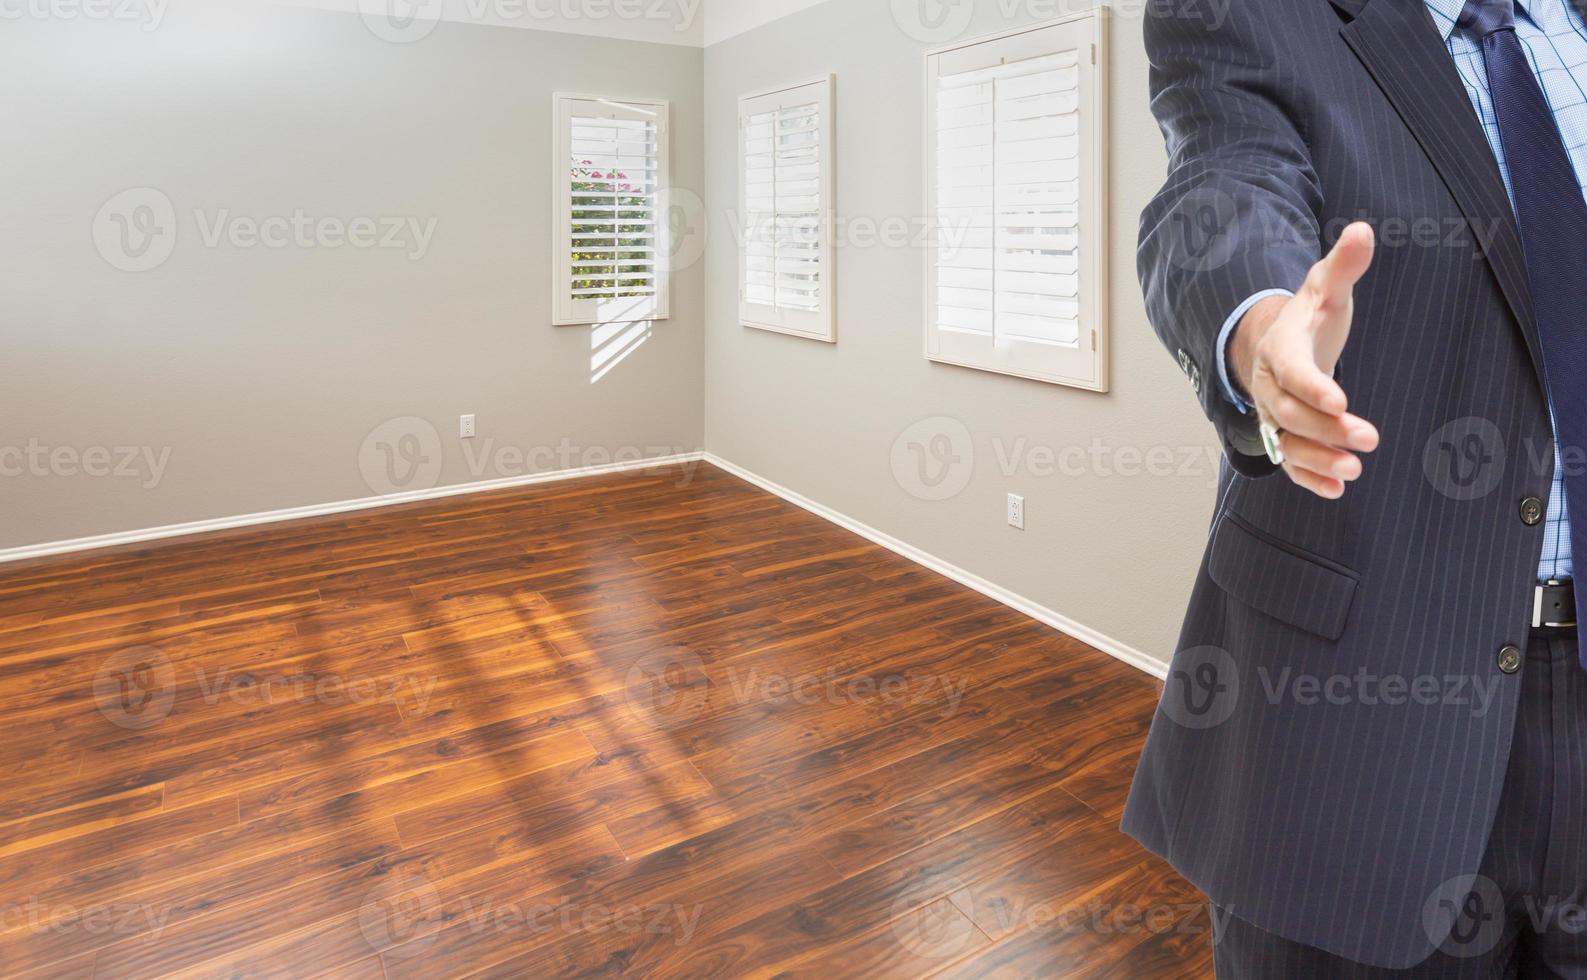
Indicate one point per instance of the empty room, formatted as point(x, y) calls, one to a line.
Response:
point(792, 488)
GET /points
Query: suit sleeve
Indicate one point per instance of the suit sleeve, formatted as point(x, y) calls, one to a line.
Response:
point(1239, 214)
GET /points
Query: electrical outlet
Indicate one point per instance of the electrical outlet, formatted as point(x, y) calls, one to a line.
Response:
point(465, 426)
point(1016, 511)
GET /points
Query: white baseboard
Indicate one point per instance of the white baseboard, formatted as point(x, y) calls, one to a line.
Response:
point(1063, 624)
point(323, 510)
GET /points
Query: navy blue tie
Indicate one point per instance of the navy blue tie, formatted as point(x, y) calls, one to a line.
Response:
point(1552, 215)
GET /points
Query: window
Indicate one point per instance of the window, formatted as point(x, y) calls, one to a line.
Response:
point(1016, 169)
point(785, 204)
point(610, 247)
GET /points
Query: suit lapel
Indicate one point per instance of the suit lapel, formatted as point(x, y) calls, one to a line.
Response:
point(1399, 45)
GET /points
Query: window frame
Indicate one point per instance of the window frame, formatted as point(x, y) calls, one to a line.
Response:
point(565, 309)
point(1088, 368)
point(820, 325)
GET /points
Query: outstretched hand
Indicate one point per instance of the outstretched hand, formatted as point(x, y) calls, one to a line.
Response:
point(1283, 354)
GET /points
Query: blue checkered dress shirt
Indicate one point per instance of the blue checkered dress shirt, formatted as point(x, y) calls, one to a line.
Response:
point(1555, 39)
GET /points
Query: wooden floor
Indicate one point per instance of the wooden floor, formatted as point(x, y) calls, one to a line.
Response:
point(657, 724)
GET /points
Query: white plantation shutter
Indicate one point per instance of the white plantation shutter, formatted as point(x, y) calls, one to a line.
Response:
point(785, 207)
point(610, 244)
point(1016, 182)
point(782, 194)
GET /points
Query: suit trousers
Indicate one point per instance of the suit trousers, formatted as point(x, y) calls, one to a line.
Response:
point(1524, 914)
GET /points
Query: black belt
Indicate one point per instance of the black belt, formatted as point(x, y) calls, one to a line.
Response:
point(1554, 604)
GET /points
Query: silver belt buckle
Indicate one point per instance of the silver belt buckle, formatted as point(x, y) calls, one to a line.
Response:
point(1537, 606)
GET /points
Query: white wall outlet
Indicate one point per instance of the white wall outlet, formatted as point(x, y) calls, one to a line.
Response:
point(465, 426)
point(1016, 511)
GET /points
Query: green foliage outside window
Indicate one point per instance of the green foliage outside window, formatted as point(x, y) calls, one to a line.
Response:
point(624, 251)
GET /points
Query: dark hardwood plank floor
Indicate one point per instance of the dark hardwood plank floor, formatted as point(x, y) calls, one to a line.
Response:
point(653, 724)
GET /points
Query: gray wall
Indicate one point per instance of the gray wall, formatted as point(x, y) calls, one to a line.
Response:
point(1113, 535)
point(260, 370)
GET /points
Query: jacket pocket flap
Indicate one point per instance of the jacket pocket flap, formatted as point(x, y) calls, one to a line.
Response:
point(1281, 580)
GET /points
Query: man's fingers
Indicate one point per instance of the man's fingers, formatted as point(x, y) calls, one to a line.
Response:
point(1323, 460)
point(1337, 274)
point(1323, 486)
point(1349, 432)
point(1343, 432)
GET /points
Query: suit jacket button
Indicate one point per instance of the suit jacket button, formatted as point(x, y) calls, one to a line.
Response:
point(1532, 511)
point(1510, 659)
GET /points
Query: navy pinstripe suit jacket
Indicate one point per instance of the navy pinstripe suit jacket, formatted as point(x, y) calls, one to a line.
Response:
point(1330, 748)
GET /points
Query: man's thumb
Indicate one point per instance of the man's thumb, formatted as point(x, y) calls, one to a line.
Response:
point(1349, 260)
